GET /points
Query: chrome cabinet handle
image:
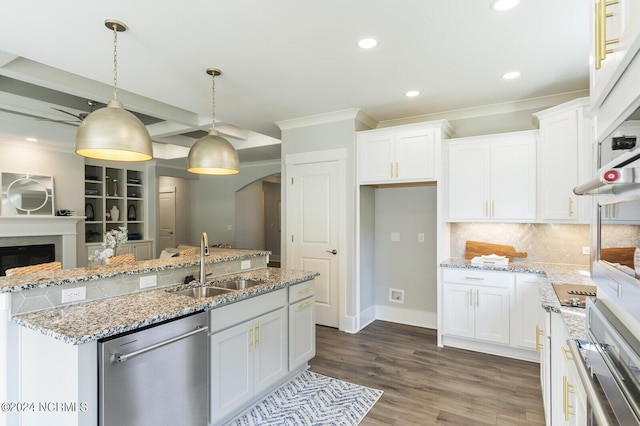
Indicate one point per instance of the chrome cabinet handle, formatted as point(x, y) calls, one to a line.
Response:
point(334, 251)
point(125, 357)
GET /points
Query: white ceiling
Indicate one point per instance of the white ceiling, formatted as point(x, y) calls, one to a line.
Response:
point(285, 59)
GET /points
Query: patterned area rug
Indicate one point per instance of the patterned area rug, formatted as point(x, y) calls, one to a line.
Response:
point(312, 399)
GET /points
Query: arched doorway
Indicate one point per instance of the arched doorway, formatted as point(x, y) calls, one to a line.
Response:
point(257, 216)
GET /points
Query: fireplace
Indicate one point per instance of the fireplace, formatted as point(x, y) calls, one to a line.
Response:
point(11, 257)
point(60, 231)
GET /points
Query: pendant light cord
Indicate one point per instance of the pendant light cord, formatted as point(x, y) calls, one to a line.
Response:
point(213, 100)
point(115, 63)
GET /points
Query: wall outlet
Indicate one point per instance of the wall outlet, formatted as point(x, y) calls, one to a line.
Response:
point(421, 237)
point(586, 250)
point(73, 294)
point(395, 236)
point(245, 264)
point(396, 296)
point(148, 281)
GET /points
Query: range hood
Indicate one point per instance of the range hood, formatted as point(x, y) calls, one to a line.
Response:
point(614, 177)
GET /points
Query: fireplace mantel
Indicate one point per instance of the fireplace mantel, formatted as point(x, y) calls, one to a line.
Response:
point(36, 226)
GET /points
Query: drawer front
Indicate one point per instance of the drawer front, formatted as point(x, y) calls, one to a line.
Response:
point(235, 313)
point(475, 277)
point(301, 291)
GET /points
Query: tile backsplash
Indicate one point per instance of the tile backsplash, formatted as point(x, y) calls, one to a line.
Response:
point(543, 242)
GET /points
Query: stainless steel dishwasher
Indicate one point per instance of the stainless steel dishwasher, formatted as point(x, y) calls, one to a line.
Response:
point(155, 376)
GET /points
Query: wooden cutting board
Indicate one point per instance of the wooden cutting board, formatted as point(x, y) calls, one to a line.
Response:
point(477, 248)
point(621, 255)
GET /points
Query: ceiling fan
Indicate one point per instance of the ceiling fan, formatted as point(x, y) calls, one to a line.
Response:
point(78, 117)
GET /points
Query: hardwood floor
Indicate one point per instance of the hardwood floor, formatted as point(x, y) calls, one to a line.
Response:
point(426, 385)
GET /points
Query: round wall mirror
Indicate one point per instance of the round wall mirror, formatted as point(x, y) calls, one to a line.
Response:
point(25, 194)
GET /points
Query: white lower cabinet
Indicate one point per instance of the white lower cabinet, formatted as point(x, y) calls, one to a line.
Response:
point(568, 397)
point(302, 324)
point(248, 351)
point(526, 308)
point(477, 305)
point(140, 248)
point(491, 311)
point(543, 347)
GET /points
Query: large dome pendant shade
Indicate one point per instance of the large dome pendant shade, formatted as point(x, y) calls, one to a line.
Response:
point(213, 154)
point(113, 133)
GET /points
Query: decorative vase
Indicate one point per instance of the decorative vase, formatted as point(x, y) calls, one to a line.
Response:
point(115, 213)
point(131, 213)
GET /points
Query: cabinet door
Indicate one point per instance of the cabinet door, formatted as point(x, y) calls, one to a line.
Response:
point(142, 251)
point(560, 356)
point(558, 175)
point(414, 155)
point(513, 179)
point(492, 314)
point(458, 310)
point(374, 159)
point(468, 181)
point(231, 374)
point(525, 313)
point(622, 213)
point(270, 355)
point(544, 349)
point(302, 333)
point(621, 26)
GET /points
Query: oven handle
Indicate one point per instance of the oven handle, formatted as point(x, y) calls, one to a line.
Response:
point(125, 357)
point(597, 405)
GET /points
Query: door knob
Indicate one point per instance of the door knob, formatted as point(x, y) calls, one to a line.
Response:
point(334, 251)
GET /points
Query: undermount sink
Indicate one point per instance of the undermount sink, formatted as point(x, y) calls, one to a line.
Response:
point(202, 291)
point(237, 284)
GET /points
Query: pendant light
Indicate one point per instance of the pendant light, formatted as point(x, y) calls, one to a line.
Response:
point(113, 133)
point(213, 154)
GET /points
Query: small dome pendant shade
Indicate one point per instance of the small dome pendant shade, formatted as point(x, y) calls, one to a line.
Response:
point(113, 133)
point(213, 155)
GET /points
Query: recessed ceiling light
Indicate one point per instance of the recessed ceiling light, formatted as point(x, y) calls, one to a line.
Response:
point(504, 4)
point(511, 75)
point(367, 43)
point(412, 93)
point(32, 139)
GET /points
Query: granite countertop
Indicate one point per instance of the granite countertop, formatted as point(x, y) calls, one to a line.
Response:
point(87, 322)
point(557, 273)
point(68, 276)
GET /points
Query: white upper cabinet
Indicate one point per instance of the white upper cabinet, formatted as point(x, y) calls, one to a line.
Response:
point(492, 178)
point(400, 154)
point(615, 39)
point(564, 161)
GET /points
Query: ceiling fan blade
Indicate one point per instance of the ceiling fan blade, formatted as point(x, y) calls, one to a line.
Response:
point(73, 122)
point(69, 113)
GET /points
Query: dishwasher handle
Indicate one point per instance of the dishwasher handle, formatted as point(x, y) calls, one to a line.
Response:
point(125, 357)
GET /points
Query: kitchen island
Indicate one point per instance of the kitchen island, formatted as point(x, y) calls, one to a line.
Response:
point(51, 351)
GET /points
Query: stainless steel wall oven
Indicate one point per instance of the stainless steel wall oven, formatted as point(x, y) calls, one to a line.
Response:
point(610, 371)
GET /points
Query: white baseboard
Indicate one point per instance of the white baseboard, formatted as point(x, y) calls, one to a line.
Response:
point(407, 316)
point(490, 348)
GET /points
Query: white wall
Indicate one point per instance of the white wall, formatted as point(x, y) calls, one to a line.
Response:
point(67, 170)
point(214, 198)
point(249, 217)
point(407, 264)
point(320, 137)
point(272, 204)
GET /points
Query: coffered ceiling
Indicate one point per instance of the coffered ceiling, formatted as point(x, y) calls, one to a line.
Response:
point(281, 60)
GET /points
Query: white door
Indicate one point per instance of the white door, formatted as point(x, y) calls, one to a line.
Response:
point(167, 218)
point(312, 222)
